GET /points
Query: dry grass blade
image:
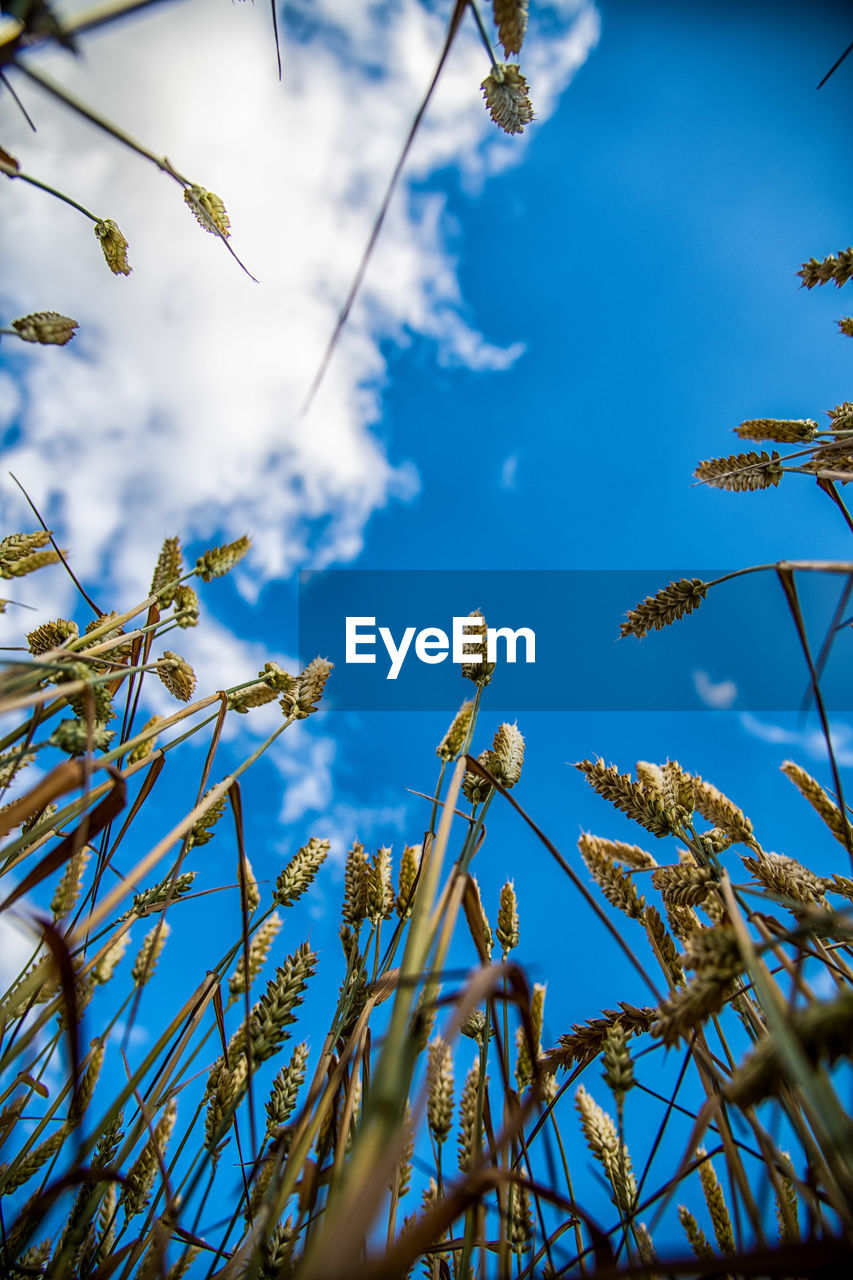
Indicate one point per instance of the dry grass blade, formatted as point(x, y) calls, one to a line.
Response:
point(453, 26)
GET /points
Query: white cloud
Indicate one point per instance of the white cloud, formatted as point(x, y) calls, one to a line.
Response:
point(176, 407)
point(509, 472)
point(720, 696)
point(305, 765)
point(810, 741)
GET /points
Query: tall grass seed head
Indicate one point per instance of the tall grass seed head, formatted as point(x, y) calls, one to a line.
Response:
point(508, 753)
point(46, 327)
point(208, 209)
point(451, 743)
point(221, 560)
point(479, 672)
point(113, 246)
point(510, 17)
point(301, 700)
point(51, 635)
point(507, 929)
point(507, 97)
point(177, 675)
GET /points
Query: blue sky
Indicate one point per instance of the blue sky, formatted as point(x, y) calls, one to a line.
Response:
point(632, 265)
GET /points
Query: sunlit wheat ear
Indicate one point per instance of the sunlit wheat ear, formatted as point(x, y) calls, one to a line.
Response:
point(276, 1252)
point(68, 890)
point(741, 472)
point(479, 672)
point(507, 929)
point(618, 886)
point(780, 430)
point(695, 1235)
point(603, 1141)
point(33, 1261)
point(788, 878)
point(842, 885)
point(451, 743)
point(520, 1219)
point(177, 675)
point(524, 1061)
point(474, 1027)
point(120, 651)
point(354, 908)
point(717, 808)
point(507, 97)
point(470, 1137)
point(836, 267)
point(586, 1039)
point(511, 21)
point(248, 886)
point(285, 1090)
point(846, 326)
point(665, 607)
point(186, 609)
point(274, 1011)
point(665, 948)
point(672, 786)
point(20, 554)
point(149, 953)
point(440, 1089)
point(508, 753)
point(51, 635)
point(91, 1075)
point(379, 886)
point(36, 1159)
point(97, 696)
point(715, 956)
point(209, 210)
point(826, 808)
point(17, 998)
point(113, 246)
point(716, 1203)
point(618, 851)
point(106, 1226)
point(409, 866)
point(256, 695)
point(202, 832)
point(618, 1072)
point(786, 1202)
point(221, 560)
point(11, 762)
point(144, 749)
point(474, 787)
point(475, 912)
point(301, 700)
point(263, 1178)
point(139, 1184)
point(631, 798)
point(423, 1018)
point(47, 327)
point(230, 1090)
point(294, 879)
point(259, 947)
point(108, 963)
point(683, 885)
point(403, 1173)
point(72, 737)
point(823, 1029)
point(169, 567)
